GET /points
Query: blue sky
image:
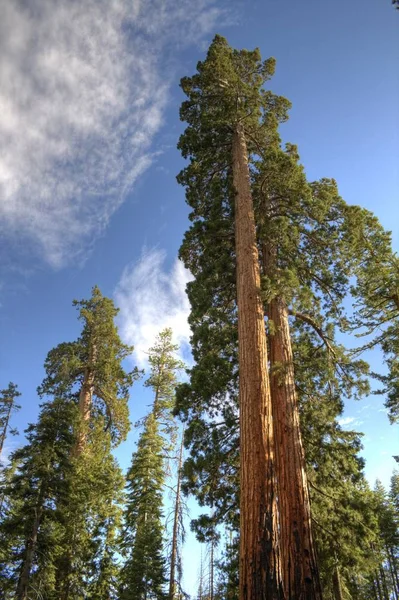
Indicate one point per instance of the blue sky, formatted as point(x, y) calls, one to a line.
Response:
point(89, 103)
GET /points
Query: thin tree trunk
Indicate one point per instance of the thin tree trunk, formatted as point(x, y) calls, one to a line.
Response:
point(394, 571)
point(173, 559)
point(23, 581)
point(384, 583)
point(298, 556)
point(376, 595)
point(337, 584)
point(211, 569)
point(380, 595)
point(260, 569)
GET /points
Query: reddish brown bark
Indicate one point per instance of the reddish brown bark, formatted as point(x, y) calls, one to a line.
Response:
point(260, 570)
point(299, 564)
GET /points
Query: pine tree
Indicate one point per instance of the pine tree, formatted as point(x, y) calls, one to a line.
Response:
point(40, 475)
point(164, 367)
point(145, 570)
point(91, 370)
point(76, 528)
point(376, 294)
point(175, 574)
point(8, 406)
point(143, 574)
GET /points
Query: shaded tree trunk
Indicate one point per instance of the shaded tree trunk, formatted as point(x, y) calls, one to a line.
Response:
point(211, 569)
point(375, 591)
point(337, 584)
point(173, 558)
point(260, 569)
point(30, 547)
point(394, 572)
point(298, 556)
point(384, 584)
point(377, 579)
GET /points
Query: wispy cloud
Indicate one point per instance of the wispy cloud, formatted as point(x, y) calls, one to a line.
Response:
point(150, 298)
point(83, 87)
point(344, 421)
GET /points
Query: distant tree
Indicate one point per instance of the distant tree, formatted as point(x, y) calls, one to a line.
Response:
point(144, 572)
point(68, 495)
point(8, 405)
point(90, 370)
point(29, 531)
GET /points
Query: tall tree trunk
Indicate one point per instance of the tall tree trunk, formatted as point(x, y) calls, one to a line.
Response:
point(375, 591)
point(394, 571)
point(337, 584)
point(211, 569)
point(260, 569)
point(85, 403)
point(384, 583)
point(23, 581)
point(298, 556)
point(377, 579)
point(173, 559)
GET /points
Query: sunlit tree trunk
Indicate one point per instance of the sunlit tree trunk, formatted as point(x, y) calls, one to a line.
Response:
point(299, 564)
point(260, 570)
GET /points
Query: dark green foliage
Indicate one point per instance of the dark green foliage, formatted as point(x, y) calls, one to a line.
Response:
point(39, 476)
point(311, 245)
point(63, 508)
point(163, 380)
point(143, 574)
point(377, 308)
point(65, 365)
point(8, 406)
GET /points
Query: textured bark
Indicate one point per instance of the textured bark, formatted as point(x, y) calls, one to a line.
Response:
point(299, 564)
point(173, 558)
point(337, 584)
point(85, 402)
point(23, 582)
point(260, 569)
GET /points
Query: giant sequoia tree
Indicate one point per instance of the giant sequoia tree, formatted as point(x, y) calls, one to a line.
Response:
point(305, 243)
point(226, 109)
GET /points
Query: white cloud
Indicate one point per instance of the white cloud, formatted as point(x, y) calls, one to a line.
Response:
point(83, 87)
point(151, 298)
point(346, 421)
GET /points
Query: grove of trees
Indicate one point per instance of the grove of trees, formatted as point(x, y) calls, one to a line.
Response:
point(282, 269)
